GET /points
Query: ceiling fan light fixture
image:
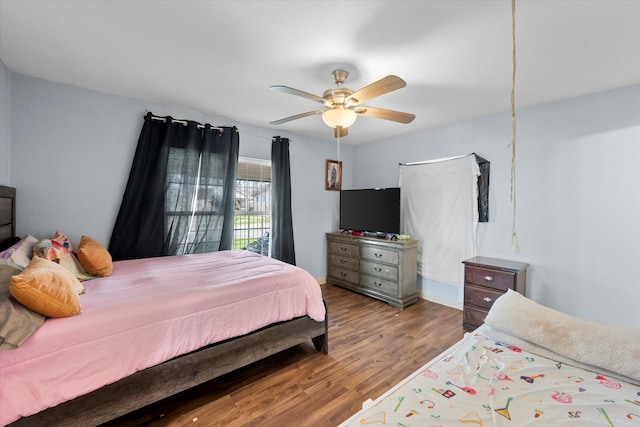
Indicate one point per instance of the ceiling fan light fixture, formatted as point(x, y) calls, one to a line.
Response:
point(339, 117)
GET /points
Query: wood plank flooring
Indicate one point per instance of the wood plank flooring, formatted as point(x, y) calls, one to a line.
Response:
point(372, 346)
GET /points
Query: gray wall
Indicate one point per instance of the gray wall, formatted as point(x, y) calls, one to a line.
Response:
point(5, 124)
point(578, 164)
point(71, 151)
point(578, 197)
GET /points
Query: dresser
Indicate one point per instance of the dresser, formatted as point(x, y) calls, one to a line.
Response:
point(380, 268)
point(485, 279)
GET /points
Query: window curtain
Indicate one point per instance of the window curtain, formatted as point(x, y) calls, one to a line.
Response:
point(439, 202)
point(180, 194)
point(282, 246)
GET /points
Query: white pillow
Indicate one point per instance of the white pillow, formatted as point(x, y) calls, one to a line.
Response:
point(20, 254)
point(611, 347)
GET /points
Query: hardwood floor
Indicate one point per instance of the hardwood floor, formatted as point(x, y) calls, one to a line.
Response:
point(372, 346)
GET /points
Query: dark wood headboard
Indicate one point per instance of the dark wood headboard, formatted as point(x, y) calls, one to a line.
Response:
point(7, 213)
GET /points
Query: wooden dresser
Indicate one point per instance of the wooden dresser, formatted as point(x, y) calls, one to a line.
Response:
point(485, 279)
point(380, 268)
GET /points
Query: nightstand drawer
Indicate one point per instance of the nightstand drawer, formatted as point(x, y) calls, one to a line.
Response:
point(345, 262)
point(346, 249)
point(380, 255)
point(490, 278)
point(480, 297)
point(380, 270)
point(473, 317)
point(345, 275)
point(375, 283)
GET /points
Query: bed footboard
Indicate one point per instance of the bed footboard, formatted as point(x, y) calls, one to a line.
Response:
point(181, 373)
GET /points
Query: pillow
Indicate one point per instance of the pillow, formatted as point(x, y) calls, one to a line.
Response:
point(17, 322)
point(94, 257)
point(19, 255)
point(47, 288)
point(54, 251)
point(612, 347)
point(62, 240)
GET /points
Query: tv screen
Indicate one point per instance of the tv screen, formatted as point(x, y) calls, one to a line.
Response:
point(374, 210)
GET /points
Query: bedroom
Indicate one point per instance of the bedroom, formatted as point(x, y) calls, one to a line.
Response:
point(578, 169)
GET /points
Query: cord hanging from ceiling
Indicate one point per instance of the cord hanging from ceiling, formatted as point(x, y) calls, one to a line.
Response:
point(514, 237)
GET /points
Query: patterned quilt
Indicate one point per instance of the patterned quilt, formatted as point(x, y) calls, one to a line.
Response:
point(490, 383)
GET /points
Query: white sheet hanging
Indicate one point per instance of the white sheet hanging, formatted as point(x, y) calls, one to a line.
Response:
point(439, 202)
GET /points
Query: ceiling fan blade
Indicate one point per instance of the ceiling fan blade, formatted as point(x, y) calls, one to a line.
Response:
point(381, 113)
point(377, 88)
point(292, 91)
point(297, 116)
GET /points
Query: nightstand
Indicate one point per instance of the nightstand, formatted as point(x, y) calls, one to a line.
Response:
point(485, 279)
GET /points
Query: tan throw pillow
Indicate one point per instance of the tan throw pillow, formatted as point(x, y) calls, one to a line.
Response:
point(47, 288)
point(94, 257)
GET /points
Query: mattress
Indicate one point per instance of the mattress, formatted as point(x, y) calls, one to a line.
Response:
point(498, 376)
point(491, 383)
point(147, 312)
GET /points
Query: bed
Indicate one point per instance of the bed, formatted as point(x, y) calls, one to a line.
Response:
point(527, 365)
point(140, 338)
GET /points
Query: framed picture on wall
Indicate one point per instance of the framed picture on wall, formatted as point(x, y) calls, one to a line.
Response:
point(333, 179)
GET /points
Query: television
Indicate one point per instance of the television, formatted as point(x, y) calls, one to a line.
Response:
point(371, 210)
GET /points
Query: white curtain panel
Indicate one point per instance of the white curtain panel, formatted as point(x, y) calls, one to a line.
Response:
point(439, 203)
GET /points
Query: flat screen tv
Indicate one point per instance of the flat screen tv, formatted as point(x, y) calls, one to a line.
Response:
point(371, 210)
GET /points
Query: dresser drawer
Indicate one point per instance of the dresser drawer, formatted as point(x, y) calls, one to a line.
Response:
point(480, 297)
point(380, 270)
point(473, 317)
point(345, 275)
point(490, 278)
point(380, 255)
point(345, 262)
point(346, 249)
point(378, 284)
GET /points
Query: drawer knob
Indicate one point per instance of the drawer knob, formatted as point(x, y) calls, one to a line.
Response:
point(377, 284)
point(343, 261)
point(377, 269)
point(487, 299)
point(343, 249)
point(378, 255)
point(343, 274)
point(488, 278)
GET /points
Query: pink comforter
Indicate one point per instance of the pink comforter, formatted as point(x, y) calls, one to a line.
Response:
point(147, 312)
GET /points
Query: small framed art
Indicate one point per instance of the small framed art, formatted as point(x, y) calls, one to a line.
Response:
point(333, 179)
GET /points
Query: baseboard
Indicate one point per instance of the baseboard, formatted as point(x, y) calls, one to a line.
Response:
point(421, 294)
point(440, 300)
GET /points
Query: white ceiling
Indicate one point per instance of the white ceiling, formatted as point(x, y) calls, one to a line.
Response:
point(220, 57)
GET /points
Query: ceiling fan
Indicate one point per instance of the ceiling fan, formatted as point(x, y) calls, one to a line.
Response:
point(343, 105)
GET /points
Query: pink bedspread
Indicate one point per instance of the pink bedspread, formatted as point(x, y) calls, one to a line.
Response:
point(147, 312)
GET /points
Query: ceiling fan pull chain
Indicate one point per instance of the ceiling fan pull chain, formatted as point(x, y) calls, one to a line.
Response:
point(514, 238)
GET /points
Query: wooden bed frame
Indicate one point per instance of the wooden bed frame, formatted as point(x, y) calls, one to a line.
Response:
point(173, 376)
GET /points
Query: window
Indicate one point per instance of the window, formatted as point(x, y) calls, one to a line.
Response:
point(253, 206)
point(192, 205)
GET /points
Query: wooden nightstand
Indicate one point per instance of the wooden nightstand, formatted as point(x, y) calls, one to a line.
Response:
point(485, 279)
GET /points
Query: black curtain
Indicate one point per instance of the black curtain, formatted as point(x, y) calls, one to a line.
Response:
point(483, 188)
point(282, 246)
point(180, 193)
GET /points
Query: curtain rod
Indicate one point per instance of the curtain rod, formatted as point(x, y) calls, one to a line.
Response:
point(184, 122)
point(435, 160)
point(255, 134)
